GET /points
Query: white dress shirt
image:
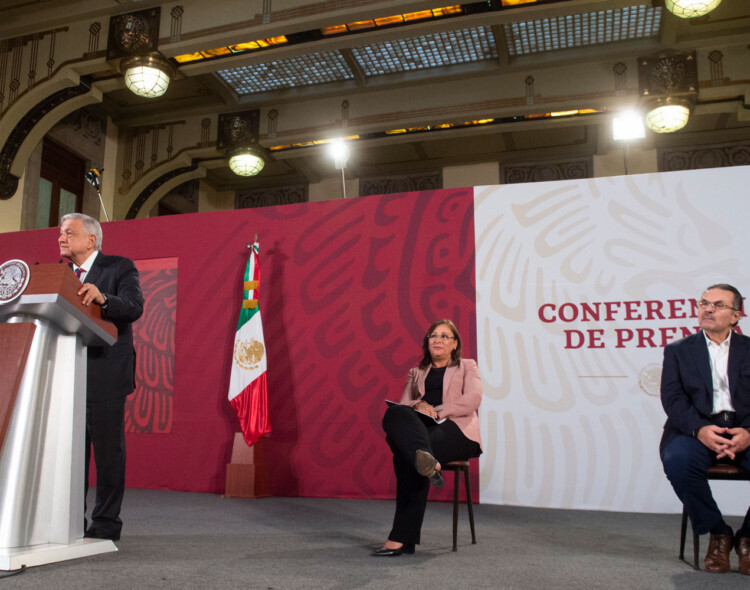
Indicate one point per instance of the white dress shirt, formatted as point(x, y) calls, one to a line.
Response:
point(86, 266)
point(719, 356)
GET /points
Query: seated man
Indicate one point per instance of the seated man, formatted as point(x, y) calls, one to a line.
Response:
point(705, 391)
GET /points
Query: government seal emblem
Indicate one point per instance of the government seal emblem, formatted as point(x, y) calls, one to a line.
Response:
point(649, 379)
point(248, 353)
point(14, 276)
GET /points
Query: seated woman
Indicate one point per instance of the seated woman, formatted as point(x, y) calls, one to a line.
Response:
point(443, 386)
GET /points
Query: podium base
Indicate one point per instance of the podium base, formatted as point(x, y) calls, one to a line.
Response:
point(17, 557)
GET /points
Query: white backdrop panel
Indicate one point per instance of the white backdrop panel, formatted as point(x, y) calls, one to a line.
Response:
point(579, 286)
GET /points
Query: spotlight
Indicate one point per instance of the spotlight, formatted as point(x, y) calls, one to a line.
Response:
point(94, 176)
point(628, 125)
point(339, 152)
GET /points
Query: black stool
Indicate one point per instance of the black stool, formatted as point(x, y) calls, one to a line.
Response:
point(457, 467)
point(724, 471)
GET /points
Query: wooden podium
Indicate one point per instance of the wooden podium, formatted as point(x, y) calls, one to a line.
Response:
point(43, 339)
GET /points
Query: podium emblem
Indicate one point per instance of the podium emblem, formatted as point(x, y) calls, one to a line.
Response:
point(14, 276)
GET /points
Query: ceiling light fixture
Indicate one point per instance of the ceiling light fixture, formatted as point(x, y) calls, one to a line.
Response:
point(237, 137)
point(246, 161)
point(147, 75)
point(669, 87)
point(668, 118)
point(691, 8)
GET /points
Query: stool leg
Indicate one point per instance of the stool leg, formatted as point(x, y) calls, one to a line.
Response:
point(683, 533)
point(469, 506)
point(456, 481)
point(696, 543)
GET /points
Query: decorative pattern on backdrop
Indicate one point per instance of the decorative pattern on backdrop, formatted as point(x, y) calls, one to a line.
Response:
point(580, 284)
point(351, 287)
point(149, 409)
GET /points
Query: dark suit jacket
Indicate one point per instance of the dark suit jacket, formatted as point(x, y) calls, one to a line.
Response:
point(687, 388)
point(111, 369)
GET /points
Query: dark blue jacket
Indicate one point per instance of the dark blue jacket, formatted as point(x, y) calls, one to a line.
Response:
point(687, 387)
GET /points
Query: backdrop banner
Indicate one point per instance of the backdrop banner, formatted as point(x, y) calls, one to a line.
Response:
point(580, 284)
point(349, 288)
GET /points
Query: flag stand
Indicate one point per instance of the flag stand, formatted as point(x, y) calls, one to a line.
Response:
point(247, 473)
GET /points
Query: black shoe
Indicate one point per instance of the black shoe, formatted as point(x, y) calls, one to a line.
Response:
point(425, 465)
point(437, 480)
point(407, 548)
point(93, 533)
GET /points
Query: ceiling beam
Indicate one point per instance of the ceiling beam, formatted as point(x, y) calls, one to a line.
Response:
point(501, 45)
point(354, 67)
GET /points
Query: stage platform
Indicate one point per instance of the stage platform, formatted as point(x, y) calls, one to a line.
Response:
point(185, 541)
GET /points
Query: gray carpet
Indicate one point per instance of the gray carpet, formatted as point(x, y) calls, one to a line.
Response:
point(185, 541)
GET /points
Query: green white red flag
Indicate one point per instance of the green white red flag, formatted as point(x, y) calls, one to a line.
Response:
point(248, 388)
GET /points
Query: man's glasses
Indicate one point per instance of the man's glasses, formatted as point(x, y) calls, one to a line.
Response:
point(717, 305)
point(442, 337)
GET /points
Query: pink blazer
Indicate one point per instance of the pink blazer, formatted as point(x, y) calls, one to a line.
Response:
point(462, 394)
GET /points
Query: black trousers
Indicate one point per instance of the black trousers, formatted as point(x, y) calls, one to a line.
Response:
point(105, 431)
point(407, 433)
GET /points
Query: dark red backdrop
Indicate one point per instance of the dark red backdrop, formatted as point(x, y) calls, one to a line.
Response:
point(348, 288)
point(150, 408)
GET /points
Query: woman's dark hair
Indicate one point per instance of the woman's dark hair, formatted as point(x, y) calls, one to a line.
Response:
point(455, 354)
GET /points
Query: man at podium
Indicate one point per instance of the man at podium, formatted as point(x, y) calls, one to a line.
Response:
point(112, 283)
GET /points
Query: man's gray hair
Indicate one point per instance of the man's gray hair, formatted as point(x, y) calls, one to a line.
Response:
point(90, 224)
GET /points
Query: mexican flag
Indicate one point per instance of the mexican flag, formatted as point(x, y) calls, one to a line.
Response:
point(248, 389)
